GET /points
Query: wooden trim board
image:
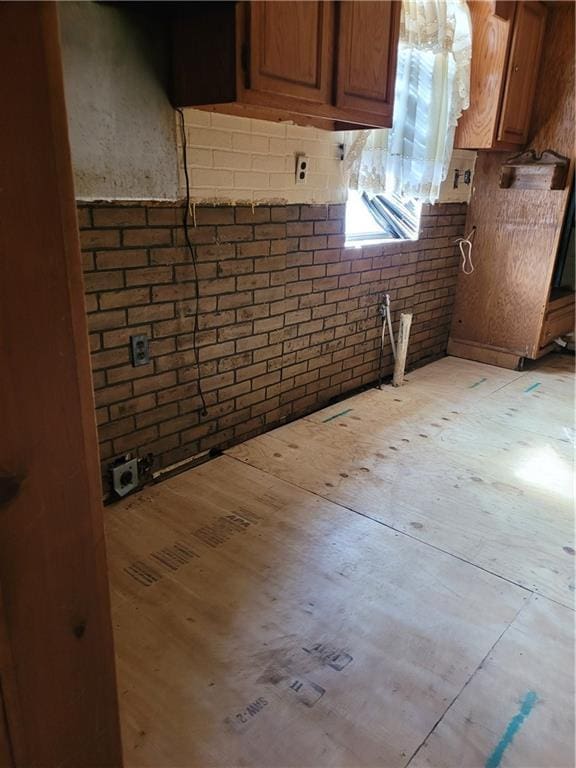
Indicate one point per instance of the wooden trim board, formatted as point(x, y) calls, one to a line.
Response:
point(483, 354)
point(57, 672)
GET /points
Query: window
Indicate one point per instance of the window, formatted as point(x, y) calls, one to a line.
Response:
point(374, 219)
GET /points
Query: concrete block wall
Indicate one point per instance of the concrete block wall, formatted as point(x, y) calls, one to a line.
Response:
point(288, 317)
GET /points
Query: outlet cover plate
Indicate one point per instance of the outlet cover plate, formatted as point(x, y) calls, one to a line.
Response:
point(125, 477)
point(140, 349)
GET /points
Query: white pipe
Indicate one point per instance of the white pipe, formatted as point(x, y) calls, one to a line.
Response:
point(402, 350)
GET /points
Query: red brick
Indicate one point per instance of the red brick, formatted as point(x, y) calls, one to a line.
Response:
point(134, 439)
point(126, 298)
point(256, 215)
point(148, 236)
point(91, 239)
point(252, 342)
point(233, 300)
point(103, 320)
point(103, 281)
point(148, 276)
point(119, 216)
point(121, 259)
point(84, 215)
point(113, 394)
point(110, 357)
point(214, 215)
point(269, 231)
point(128, 373)
point(165, 217)
point(150, 313)
point(215, 351)
point(155, 383)
point(235, 233)
point(173, 292)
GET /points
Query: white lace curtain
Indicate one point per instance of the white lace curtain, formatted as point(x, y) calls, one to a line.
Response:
point(432, 90)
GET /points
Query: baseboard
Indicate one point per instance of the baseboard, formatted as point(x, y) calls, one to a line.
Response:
point(483, 354)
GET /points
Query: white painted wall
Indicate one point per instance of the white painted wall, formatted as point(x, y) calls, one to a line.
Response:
point(237, 159)
point(462, 160)
point(121, 124)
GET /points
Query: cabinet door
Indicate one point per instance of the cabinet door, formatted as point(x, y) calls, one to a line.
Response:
point(522, 72)
point(367, 49)
point(291, 45)
point(491, 36)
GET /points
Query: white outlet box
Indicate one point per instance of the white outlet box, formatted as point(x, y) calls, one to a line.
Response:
point(302, 165)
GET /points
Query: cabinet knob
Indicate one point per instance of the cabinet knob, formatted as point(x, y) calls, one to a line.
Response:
point(516, 68)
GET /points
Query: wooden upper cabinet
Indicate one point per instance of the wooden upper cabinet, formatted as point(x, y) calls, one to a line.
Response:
point(525, 53)
point(506, 51)
point(291, 49)
point(313, 61)
point(367, 51)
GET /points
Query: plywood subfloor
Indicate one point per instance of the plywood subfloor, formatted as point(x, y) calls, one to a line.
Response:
point(386, 583)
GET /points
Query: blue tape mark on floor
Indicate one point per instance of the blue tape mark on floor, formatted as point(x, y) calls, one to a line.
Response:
point(532, 386)
point(336, 415)
point(477, 384)
point(526, 706)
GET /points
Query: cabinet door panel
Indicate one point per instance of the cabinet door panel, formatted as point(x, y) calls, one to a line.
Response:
point(522, 72)
point(291, 47)
point(491, 36)
point(367, 49)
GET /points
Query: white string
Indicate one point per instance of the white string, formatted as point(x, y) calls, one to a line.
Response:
point(465, 245)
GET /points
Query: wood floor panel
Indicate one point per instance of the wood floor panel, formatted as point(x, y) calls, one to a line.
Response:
point(497, 493)
point(343, 591)
point(290, 600)
point(519, 708)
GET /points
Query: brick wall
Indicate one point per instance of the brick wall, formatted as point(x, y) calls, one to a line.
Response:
point(288, 317)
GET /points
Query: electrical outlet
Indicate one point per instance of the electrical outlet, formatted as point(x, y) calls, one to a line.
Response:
point(124, 476)
point(464, 176)
point(301, 169)
point(140, 350)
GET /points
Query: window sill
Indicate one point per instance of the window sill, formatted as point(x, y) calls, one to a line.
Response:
point(366, 243)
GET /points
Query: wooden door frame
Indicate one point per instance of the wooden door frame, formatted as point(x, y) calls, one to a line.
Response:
point(57, 675)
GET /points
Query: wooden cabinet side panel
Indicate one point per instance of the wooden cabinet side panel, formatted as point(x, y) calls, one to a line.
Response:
point(202, 73)
point(291, 48)
point(490, 45)
point(522, 72)
point(502, 303)
point(52, 560)
point(367, 52)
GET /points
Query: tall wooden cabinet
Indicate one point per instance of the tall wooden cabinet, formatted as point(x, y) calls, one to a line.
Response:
point(513, 305)
point(319, 61)
point(506, 51)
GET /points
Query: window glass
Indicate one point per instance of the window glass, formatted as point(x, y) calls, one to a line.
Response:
point(377, 218)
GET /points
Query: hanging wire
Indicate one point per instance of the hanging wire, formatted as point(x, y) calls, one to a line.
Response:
point(186, 223)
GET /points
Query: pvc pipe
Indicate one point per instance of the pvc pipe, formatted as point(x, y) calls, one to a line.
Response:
point(402, 349)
